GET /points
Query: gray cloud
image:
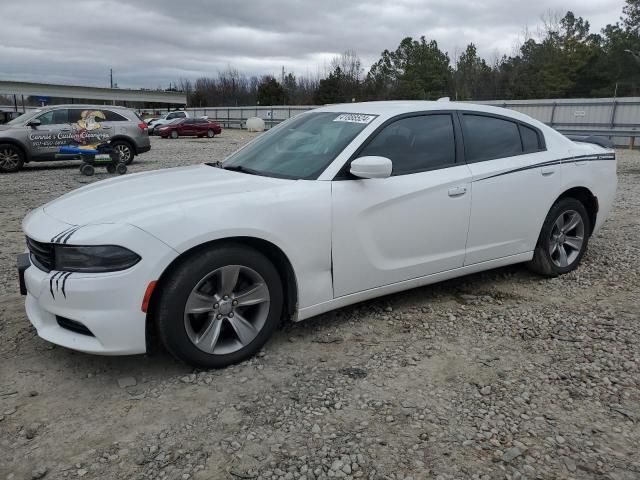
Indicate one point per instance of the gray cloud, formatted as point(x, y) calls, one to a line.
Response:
point(149, 43)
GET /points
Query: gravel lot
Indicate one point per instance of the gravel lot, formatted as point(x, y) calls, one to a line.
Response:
point(499, 375)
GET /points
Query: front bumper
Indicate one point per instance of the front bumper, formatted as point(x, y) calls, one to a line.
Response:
point(96, 312)
point(105, 309)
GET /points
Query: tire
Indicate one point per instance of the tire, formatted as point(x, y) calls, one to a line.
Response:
point(210, 133)
point(121, 168)
point(87, 169)
point(201, 326)
point(567, 222)
point(125, 150)
point(111, 168)
point(174, 134)
point(11, 158)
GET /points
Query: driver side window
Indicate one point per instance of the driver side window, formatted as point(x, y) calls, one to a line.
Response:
point(416, 144)
point(54, 117)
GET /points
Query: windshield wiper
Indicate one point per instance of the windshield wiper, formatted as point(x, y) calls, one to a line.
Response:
point(240, 168)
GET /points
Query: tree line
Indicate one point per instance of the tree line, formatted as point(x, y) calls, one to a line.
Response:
point(564, 59)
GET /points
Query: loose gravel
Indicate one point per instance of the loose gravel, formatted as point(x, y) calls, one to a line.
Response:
point(499, 375)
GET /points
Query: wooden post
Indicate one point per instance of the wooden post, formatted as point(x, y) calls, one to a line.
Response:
point(632, 142)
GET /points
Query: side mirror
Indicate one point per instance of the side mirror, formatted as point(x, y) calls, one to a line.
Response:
point(371, 167)
point(34, 123)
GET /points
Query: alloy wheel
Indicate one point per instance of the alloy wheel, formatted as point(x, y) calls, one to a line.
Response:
point(124, 151)
point(566, 239)
point(9, 158)
point(227, 309)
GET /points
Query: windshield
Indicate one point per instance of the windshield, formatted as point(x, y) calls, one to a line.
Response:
point(300, 148)
point(23, 118)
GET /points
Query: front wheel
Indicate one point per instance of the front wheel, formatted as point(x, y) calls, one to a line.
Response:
point(210, 133)
point(563, 239)
point(219, 306)
point(174, 134)
point(11, 158)
point(87, 169)
point(124, 150)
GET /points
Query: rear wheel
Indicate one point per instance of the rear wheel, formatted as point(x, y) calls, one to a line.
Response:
point(563, 239)
point(11, 158)
point(125, 150)
point(210, 133)
point(219, 306)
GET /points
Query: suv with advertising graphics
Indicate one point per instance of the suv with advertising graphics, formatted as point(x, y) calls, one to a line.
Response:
point(38, 134)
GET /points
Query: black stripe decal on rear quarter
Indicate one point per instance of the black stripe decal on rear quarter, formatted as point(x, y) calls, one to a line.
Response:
point(580, 158)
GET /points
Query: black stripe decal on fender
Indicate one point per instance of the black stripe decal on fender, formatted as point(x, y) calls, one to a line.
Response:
point(580, 158)
point(68, 236)
point(55, 238)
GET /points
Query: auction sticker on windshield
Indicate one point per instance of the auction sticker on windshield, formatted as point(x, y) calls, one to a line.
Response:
point(354, 118)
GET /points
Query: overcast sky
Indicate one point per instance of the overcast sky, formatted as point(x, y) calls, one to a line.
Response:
point(149, 43)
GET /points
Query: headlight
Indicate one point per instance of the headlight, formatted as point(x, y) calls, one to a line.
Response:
point(93, 259)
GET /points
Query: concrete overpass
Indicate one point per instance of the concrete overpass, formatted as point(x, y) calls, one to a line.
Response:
point(109, 95)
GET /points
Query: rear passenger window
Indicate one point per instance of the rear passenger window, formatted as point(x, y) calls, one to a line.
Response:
point(488, 137)
point(113, 116)
point(416, 144)
point(530, 139)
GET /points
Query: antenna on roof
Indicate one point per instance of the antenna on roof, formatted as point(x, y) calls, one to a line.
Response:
point(444, 99)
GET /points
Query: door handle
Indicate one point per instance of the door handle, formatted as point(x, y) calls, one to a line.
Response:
point(457, 191)
point(546, 171)
point(105, 127)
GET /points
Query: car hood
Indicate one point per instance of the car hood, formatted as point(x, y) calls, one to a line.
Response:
point(131, 197)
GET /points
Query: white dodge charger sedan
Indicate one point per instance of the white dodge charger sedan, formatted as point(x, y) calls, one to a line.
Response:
point(335, 206)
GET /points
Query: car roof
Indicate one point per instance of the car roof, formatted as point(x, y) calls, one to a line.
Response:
point(392, 108)
point(398, 107)
point(84, 105)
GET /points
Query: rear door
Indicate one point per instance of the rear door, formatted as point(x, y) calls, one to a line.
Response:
point(411, 224)
point(90, 126)
point(515, 181)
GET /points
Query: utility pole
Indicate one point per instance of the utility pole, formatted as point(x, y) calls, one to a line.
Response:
point(111, 77)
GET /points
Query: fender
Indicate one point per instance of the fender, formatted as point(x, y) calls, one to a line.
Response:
point(19, 144)
point(126, 139)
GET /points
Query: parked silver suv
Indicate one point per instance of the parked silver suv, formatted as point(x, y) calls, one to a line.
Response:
point(38, 134)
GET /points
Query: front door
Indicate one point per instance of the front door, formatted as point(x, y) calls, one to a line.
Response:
point(188, 127)
point(411, 224)
point(53, 132)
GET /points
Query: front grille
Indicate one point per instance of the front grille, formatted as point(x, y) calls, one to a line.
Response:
point(41, 254)
point(73, 326)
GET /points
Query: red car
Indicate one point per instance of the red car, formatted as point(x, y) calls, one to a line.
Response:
point(190, 127)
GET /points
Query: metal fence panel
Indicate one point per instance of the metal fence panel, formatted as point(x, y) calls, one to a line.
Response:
point(603, 116)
